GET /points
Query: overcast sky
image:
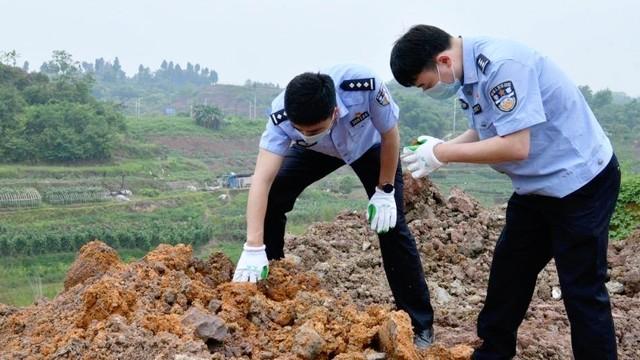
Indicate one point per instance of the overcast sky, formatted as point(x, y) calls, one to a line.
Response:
point(595, 41)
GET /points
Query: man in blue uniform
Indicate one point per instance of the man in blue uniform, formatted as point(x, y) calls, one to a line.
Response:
point(320, 122)
point(529, 121)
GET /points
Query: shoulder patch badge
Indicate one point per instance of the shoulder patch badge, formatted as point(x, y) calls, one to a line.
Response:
point(482, 62)
point(504, 96)
point(360, 117)
point(382, 97)
point(278, 117)
point(358, 84)
point(463, 104)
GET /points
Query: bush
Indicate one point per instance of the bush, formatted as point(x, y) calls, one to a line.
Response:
point(626, 217)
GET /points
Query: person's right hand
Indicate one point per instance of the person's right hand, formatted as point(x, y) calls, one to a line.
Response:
point(253, 264)
point(419, 159)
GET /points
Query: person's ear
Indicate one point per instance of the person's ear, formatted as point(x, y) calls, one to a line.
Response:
point(443, 59)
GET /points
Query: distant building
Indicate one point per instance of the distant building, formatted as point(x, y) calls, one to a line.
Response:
point(236, 181)
point(170, 111)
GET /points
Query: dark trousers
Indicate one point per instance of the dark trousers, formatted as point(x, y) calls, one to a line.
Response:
point(301, 168)
point(572, 230)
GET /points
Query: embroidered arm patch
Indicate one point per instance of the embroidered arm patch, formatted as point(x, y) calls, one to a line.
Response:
point(504, 96)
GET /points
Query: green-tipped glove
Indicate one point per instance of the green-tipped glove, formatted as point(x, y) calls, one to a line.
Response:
point(419, 159)
point(253, 264)
point(382, 213)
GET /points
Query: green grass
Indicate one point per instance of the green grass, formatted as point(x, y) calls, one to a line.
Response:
point(23, 279)
point(228, 219)
point(170, 168)
point(233, 127)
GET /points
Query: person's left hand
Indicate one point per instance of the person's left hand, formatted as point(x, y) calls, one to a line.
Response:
point(382, 213)
point(419, 159)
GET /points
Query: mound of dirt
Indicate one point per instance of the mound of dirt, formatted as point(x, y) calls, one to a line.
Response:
point(328, 299)
point(456, 237)
point(171, 305)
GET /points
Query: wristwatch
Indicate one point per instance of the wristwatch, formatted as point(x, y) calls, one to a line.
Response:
point(387, 188)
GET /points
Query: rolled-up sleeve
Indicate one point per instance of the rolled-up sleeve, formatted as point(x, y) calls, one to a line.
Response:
point(517, 104)
point(274, 139)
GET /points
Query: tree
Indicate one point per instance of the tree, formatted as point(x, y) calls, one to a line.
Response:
point(602, 98)
point(213, 77)
point(54, 120)
point(208, 116)
point(9, 57)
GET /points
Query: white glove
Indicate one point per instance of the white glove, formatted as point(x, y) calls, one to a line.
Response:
point(252, 265)
point(420, 159)
point(382, 213)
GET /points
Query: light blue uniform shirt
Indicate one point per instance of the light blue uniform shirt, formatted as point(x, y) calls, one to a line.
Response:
point(365, 108)
point(508, 87)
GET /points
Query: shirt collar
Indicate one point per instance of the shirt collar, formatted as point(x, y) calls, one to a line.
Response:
point(342, 108)
point(469, 68)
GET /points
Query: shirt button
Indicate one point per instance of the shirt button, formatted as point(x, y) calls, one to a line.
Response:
point(600, 161)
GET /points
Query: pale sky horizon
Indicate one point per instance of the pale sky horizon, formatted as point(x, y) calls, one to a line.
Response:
point(272, 41)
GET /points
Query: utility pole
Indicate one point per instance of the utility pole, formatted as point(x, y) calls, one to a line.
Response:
point(138, 103)
point(254, 101)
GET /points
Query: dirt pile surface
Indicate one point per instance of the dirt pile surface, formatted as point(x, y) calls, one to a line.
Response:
point(328, 300)
point(456, 237)
point(170, 305)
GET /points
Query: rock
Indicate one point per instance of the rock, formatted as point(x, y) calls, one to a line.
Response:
point(544, 291)
point(366, 245)
point(214, 305)
point(122, 198)
point(631, 281)
point(460, 201)
point(308, 344)
point(206, 326)
point(295, 259)
point(556, 293)
point(475, 299)
point(396, 336)
point(374, 355)
point(170, 297)
point(212, 328)
point(615, 287)
point(442, 296)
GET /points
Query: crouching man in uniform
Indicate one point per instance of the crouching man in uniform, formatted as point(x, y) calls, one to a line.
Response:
point(322, 121)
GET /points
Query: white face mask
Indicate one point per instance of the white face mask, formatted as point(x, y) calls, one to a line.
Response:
point(442, 90)
point(312, 139)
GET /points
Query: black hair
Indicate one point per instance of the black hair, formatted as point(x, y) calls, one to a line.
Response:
point(309, 98)
point(416, 51)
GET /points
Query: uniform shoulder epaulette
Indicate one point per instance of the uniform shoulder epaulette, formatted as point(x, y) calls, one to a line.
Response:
point(367, 84)
point(278, 117)
point(482, 62)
